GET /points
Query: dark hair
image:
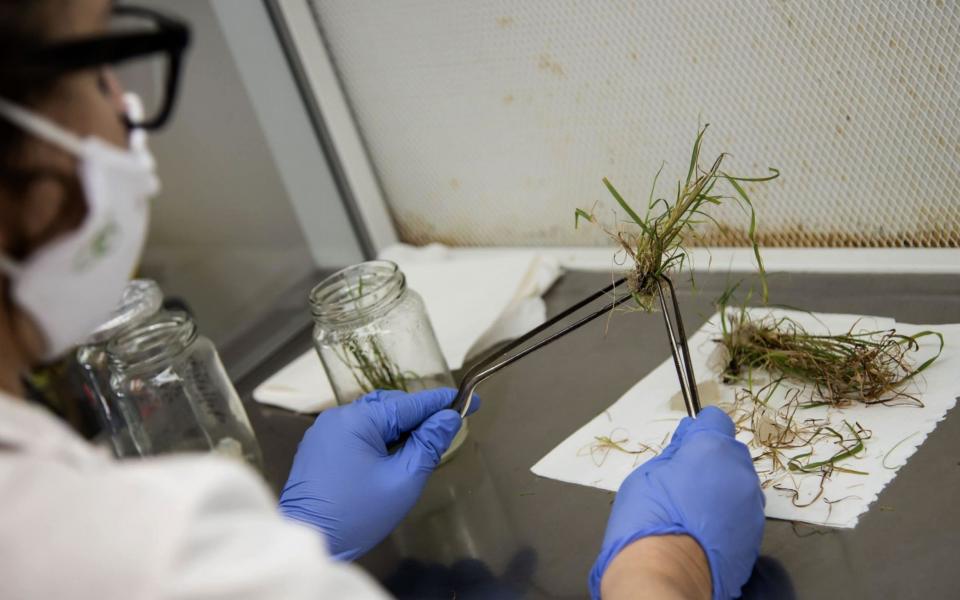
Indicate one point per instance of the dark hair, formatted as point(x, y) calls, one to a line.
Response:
point(24, 25)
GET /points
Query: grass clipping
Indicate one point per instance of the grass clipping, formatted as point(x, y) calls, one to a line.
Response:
point(872, 367)
point(657, 241)
point(787, 446)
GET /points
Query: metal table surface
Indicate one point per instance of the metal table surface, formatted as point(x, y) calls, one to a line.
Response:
point(486, 527)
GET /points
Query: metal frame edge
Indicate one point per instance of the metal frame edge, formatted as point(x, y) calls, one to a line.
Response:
point(300, 36)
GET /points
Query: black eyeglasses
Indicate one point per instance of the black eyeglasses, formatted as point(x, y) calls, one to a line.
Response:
point(144, 46)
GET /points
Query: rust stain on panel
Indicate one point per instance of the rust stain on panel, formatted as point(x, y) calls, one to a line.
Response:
point(550, 65)
point(418, 231)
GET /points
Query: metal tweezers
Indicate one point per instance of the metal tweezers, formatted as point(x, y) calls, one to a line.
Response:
point(519, 348)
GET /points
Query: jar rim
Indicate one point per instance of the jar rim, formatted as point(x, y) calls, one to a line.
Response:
point(141, 299)
point(357, 292)
point(156, 342)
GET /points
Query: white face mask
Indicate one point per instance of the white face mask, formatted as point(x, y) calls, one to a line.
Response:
point(70, 285)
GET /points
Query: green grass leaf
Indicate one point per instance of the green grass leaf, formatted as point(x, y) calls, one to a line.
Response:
point(626, 207)
point(695, 154)
point(581, 214)
point(752, 233)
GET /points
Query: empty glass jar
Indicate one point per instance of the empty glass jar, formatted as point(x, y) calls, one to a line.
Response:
point(141, 300)
point(174, 393)
point(372, 332)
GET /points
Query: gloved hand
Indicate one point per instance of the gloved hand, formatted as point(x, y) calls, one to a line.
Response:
point(703, 485)
point(345, 483)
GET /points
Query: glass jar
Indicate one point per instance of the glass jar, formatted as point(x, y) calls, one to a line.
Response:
point(372, 332)
point(174, 393)
point(141, 300)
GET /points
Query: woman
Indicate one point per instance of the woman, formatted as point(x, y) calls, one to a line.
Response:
point(75, 179)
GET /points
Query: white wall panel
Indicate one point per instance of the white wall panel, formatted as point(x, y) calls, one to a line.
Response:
point(489, 121)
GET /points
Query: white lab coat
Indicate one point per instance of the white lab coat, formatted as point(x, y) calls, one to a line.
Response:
point(74, 523)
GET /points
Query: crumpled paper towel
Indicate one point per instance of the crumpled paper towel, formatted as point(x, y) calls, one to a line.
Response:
point(648, 413)
point(473, 303)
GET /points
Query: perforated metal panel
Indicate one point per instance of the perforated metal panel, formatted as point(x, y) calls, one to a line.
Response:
point(488, 122)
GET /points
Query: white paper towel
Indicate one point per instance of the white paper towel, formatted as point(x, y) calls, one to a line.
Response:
point(473, 302)
point(646, 414)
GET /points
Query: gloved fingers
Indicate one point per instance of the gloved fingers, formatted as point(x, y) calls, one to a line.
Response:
point(474, 405)
point(429, 441)
point(394, 412)
point(676, 439)
point(408, 411)
point(681, 429)
point(379, 396)
point(714, 454)
point(710, 418)
point(713, 419)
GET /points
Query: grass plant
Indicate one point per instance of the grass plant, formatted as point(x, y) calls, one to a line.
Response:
point(872, 367)
point(367, 357)
point(657, 240)
point(371, 365)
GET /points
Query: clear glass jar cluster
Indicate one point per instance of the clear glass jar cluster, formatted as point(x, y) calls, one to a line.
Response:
point(141, 300)
point(162, 388)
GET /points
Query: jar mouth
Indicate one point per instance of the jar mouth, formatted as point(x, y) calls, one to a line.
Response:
point(358, 292)
point(141, 299)
point(156, 342)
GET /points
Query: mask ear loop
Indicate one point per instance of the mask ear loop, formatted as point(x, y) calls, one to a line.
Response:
point(46, 130)
point(42, 127)
point(137, 137)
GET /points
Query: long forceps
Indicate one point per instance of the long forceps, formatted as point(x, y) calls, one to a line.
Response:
point(679, 348)
point(517, 349)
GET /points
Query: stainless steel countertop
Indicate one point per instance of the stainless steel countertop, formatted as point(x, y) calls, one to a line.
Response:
point(486, 527)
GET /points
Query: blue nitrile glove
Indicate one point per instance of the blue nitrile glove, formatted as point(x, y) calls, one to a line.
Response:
point(703, 485)
point(345, 483)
